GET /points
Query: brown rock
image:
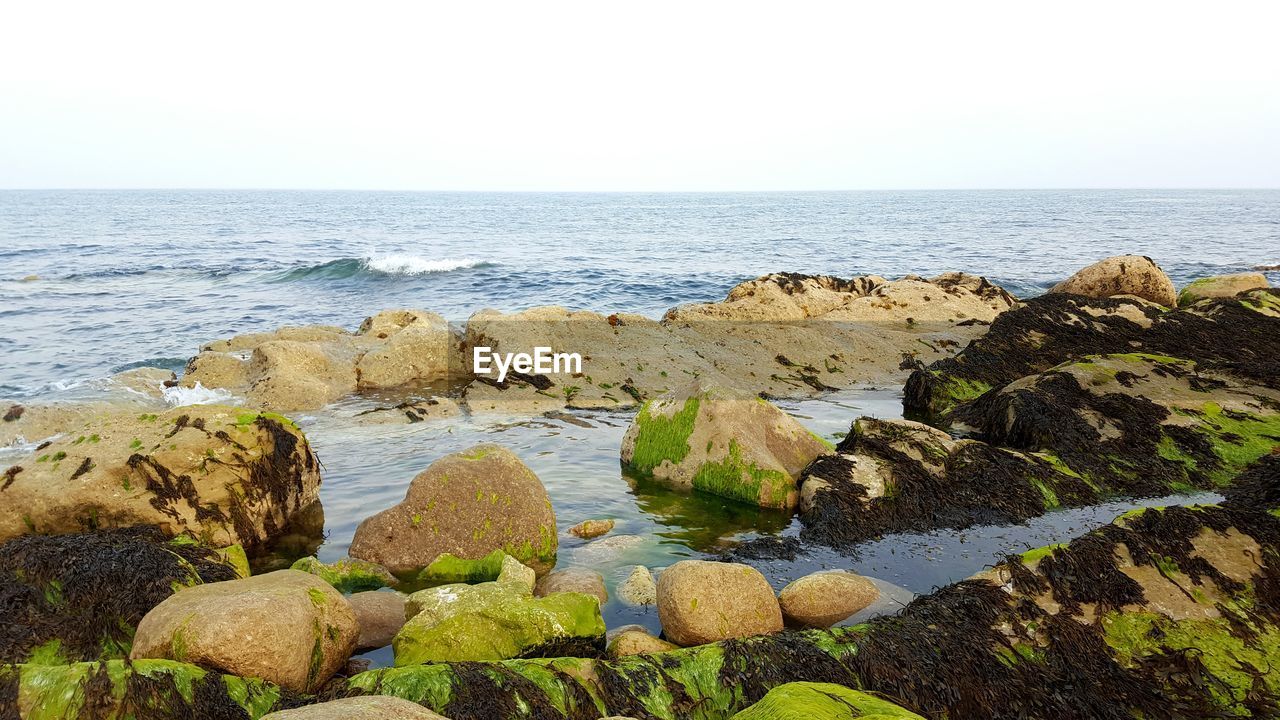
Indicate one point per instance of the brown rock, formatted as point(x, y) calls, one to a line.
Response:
point(287, 627)
point(637, 642)
point(825, 598)
point(416, 347)
point(467, 504)
point(588, 529)
point(227, 475)
point(1220, 286)
point(288, 374)
point(1122, 275)
point(701, 602)
point(364, 707)
point(380, 616)
point(587, 582)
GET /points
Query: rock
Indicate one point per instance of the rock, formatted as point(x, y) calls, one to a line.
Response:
point(287, 374)
point(417, 349)
point(216, 369)
point(1220, 286)
point(514, 571)
point(1241, 334)
point(60, 593)
point(497, 621)
point(637, 642)
point(145, 382)
point(587, 582)
point(30, 278)
point(639, 588)
point(1122, 275)
point(348, 575)
point(380, 615)
point(588, 529)
point(409, 412)
point(701, 602)
point(822, 701)
point(723, 442)
point(607, 549)
point(467, 504)
point(288, 627)
point(363, 707)
point(226, 475)
point(823, 599)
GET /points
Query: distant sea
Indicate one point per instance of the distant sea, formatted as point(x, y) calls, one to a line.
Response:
point(129, 278)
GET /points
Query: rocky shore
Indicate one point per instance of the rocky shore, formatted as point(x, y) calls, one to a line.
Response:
point(141, 572)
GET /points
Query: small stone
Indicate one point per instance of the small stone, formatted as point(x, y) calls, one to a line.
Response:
point(380, 616)
point(639, 588)
point(513, 571)
point(588, 529)
point(825, 598)
point(637, 642)
point(576, 580)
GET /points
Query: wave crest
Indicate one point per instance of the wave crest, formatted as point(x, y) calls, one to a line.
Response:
point(393, 264)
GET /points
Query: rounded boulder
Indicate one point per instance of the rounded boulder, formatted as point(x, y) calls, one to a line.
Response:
point(825, 598)
point(701, 602)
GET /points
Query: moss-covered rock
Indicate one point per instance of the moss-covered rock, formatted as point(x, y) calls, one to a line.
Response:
point(715, 440)
point(1135, 275)
point(76, 597)
point(1239, 334)
point(348, 575)
point(468, 505)
point(226, 475)
point(496, 621)
point(822, 701)
point(288, 627)
point(1221, 286)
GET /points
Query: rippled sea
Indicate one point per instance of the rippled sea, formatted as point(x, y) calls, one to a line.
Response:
point(94, 282)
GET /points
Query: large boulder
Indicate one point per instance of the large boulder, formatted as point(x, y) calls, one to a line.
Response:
point(78, 597)
point(468, 505)
point(701, 602)
point(380, 616)
point(287, 374)
point(497, 621)
point(1122, 275)
point(226, 475)
point(417, 347)
point(822, 701)
point(1220, 286)
point(709, 438)
point(822, 599)
point(288, 627)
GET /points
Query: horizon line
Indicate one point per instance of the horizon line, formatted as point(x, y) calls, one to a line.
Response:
point(646, 192)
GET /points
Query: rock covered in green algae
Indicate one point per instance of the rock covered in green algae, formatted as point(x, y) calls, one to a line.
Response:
point(288, 627)
point(701, 602)
point(224, 474)
point(79, 596)
point(1239, 334)
point(1135, 275)
point(124, 689)
point(637, 641)
point(348, 575)
point(363, 707)
point(496, 621)
point(822, 701)
point(720, 441)
point(1221, 286)
point(468, 505)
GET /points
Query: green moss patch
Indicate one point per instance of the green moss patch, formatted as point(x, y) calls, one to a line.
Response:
point(662, 438)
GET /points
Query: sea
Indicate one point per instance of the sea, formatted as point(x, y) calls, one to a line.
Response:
point(96, 282)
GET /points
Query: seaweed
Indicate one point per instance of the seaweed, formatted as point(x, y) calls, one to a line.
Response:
point(10, 474)
point(66, 589)
point(14, 412)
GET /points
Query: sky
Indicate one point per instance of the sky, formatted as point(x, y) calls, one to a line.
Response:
point(652, 96)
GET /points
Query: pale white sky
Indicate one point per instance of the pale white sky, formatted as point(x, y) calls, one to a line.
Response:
point(650, 95)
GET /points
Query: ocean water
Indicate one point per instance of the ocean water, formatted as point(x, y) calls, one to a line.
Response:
point(127, 279)
point(132, 277)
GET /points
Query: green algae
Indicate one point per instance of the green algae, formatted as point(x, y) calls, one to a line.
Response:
point(735, 478)
point(449, 568)
point(822, 701)
point(1237, 439)
point(347, 575)
point(661, 438)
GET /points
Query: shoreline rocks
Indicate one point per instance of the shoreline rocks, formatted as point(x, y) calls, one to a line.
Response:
point(1135, 275)
point(226, 475)
point(822, 599)
point(1220, 286)
point(702, 602)
point(468, 505)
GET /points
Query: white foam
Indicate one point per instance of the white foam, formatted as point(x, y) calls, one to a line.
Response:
point(198, 395)
point(405, 264)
